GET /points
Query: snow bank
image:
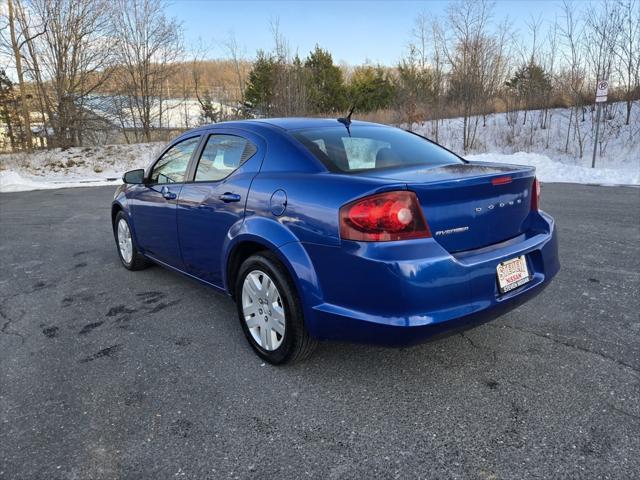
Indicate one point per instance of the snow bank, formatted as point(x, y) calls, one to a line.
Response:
point(74, 167)
point(548, 170)
point(13, 182)
point(554, 151)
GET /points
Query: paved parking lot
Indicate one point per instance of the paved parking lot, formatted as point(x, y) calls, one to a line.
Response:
point(107, 373)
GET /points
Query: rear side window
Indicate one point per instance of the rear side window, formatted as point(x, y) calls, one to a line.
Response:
point(172, 166)
point(222, 155)
point(371, 148)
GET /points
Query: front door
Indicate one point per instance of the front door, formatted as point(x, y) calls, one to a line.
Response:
point(154, 204)
point(215, 200)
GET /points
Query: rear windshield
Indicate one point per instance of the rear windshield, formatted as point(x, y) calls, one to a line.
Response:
point(372, 148)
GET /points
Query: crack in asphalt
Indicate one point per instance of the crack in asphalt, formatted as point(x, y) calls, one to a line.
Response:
point(8, 322)
point(468, 339)
point(494, 355)
point(554, 339)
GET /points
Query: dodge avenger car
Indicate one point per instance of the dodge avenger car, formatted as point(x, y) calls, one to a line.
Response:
point(324, 229)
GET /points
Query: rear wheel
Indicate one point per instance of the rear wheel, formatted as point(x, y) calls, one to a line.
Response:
point(270, 312)
point(130, 257)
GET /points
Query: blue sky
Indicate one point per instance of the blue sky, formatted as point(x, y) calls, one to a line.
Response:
point(353, 31)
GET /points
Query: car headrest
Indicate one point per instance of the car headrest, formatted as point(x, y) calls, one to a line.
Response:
point(386, 158)
point(231, 158)
point(338, 160)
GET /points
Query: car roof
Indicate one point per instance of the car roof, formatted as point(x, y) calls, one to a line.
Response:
point(295, 123)
point(292, 123)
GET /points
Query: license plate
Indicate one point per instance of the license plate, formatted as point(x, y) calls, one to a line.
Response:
point(512, 274)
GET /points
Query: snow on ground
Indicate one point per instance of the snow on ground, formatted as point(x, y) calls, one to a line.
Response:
point(555, 158)
point(74, 167)
point(548, 170)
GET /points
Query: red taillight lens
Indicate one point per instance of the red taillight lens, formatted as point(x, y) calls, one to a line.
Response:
point(535, 194)
point(383, 217)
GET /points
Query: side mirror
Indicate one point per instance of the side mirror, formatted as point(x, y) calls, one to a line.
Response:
point(134, 177)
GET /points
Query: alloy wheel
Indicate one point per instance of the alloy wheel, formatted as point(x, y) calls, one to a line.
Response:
point(263, 310)
point(125, 243)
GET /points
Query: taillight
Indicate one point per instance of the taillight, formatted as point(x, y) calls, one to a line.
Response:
point(383, 217)
point(535, 194)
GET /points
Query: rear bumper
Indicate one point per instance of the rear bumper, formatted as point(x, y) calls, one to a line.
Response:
point(401, 293)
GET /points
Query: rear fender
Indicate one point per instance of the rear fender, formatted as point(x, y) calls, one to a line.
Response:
point(291, 252)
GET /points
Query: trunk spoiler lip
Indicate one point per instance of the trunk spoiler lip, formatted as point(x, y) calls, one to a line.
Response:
point(441, 178)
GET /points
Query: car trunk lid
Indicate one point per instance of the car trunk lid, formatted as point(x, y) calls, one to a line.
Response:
point(471, 205)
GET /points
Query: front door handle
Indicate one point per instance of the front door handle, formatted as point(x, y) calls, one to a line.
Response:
point(229, 197)
point(168, 194)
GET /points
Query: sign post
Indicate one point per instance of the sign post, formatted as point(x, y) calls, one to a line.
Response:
point(602, 90)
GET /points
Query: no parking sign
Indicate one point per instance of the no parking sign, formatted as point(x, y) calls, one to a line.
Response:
point(602, 90)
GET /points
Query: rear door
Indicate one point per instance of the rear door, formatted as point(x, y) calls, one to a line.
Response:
point(214, 199)
point(154, 204)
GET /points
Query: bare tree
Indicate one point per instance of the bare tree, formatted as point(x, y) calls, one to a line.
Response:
point(210, 112)
point(148, 46)
point(602, 27)
point(72, 57)
point(289, 89)
point(492, 68)
point(25, 114)
point(532, 95)
point(421, 74)
point(549, 63)
point(31, 31)
point(573, 38)
point(628, 51)
point(236, 55)
point(472, 54)
point(420, 40)
point(438, 78)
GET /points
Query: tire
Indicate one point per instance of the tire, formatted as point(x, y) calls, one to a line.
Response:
point(290, 346)
point(133, 259)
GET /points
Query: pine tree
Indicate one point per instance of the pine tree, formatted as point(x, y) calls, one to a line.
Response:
point(261, 83)
point(325, 85)
point(530, 83)
point(414, 89)
point(371, 88)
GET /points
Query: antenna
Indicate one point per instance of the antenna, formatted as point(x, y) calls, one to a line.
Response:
point(346, 121)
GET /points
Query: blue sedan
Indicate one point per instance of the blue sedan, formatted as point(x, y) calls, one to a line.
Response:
point(325, 229)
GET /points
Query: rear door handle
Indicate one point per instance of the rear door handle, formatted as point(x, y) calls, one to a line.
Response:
point(228, 197)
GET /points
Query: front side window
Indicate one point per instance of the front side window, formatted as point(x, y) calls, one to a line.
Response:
point(172, 166)
point(222, 155)
point(366, 148)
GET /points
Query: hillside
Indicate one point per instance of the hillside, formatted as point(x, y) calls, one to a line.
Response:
point(557, 160)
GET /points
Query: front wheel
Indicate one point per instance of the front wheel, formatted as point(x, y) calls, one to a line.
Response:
point(270, 312)
point(130, 257)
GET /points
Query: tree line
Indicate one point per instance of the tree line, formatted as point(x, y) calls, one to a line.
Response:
point(127, 60)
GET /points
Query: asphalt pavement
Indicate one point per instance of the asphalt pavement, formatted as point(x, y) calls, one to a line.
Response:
point(106, 373)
